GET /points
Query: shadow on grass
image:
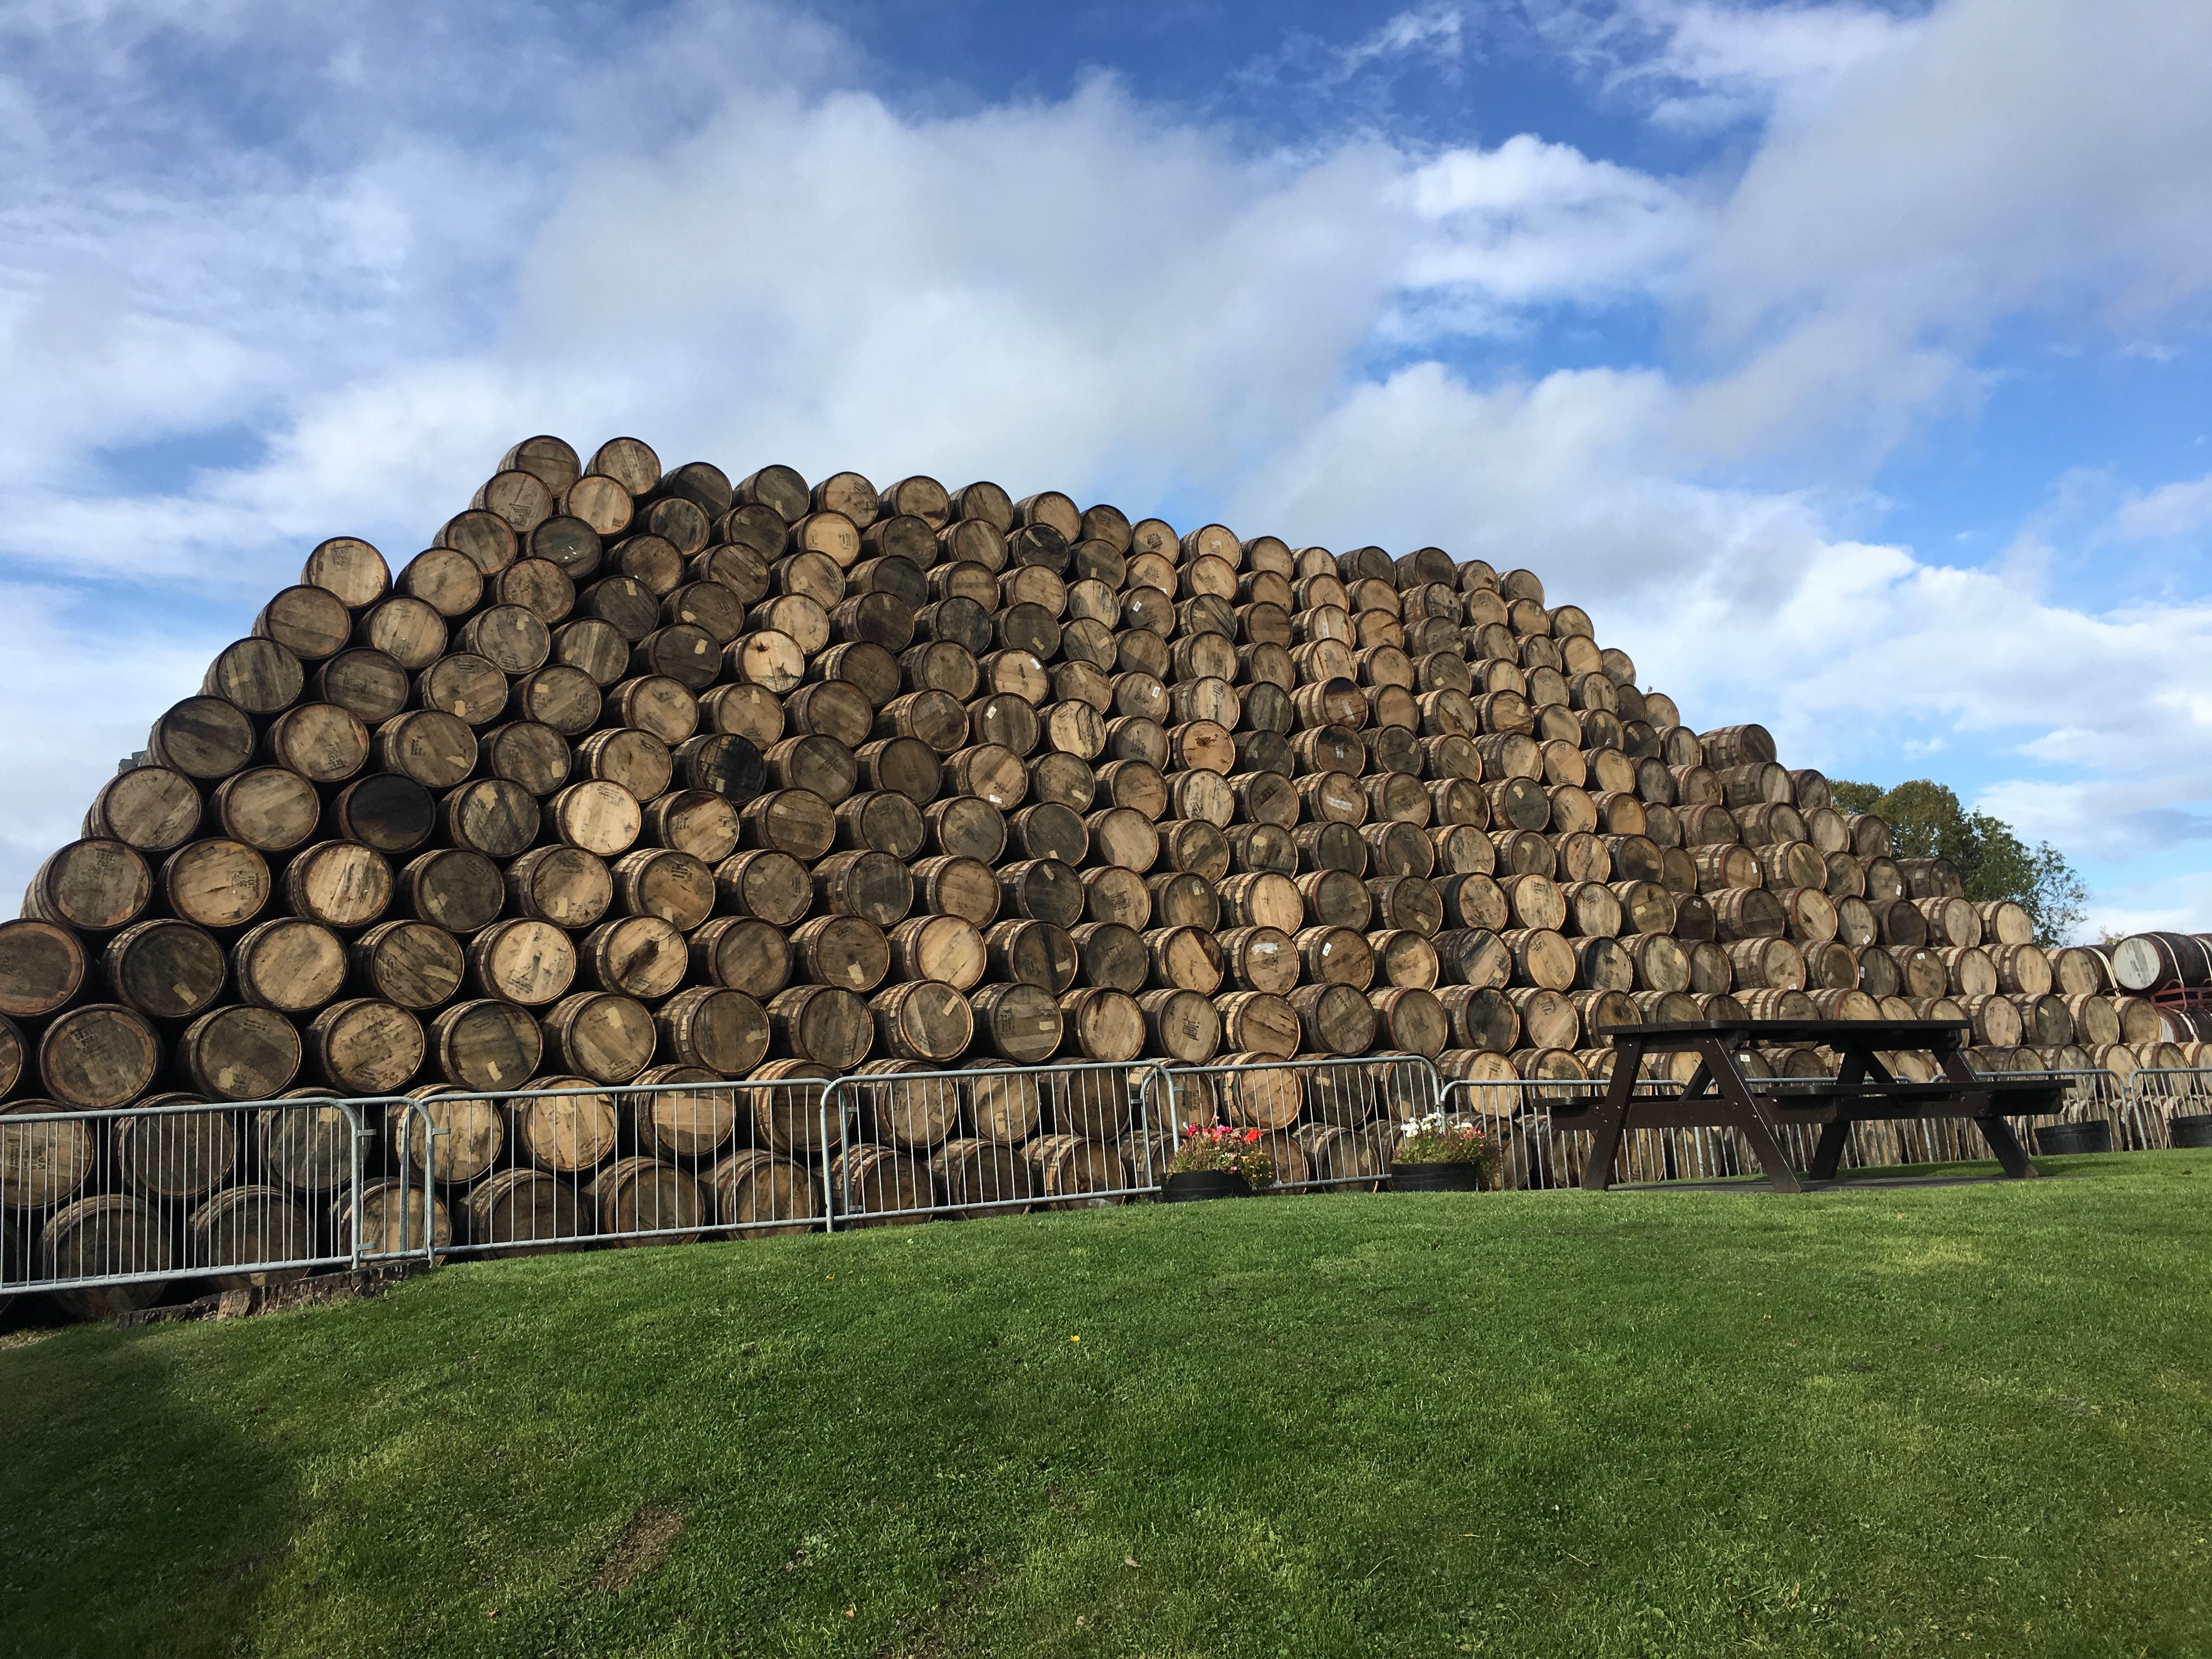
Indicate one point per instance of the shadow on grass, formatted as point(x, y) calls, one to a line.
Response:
point(128, 1495)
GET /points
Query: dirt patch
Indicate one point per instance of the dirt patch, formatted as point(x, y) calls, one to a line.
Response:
point(643, 1546)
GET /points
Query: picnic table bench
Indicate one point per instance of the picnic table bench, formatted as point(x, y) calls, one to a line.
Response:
point(1718, 1095)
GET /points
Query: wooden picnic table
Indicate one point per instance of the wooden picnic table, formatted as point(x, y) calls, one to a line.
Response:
point(1717, 1094)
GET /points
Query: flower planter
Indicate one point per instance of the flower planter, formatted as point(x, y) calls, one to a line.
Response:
point(1436, 1177)
point(1195, 1186)
point(2093, 1135)
point(2194, 1130)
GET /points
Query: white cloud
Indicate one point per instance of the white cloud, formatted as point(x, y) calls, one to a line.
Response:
point(2174, 509)
point(1531, 222)
point(1434, 31)
point(2023, 158)
point(1721, 64)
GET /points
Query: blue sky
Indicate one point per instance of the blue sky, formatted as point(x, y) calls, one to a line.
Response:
point(1846, 362)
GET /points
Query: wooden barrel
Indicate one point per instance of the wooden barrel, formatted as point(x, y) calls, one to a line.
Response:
point(923, 1020)
point(149, 809)
point(826, 1024)
point(565, 886)
point(2096, 1021)
point(1099, 1023)
point(2145, 962)
point(948, 949)
point(1997, 1020)
point(1032, 953)
point(642, 957)
point(489, 1044)
point(1541, 957)
point(239, 1052)
point(1748, 913)
point(202, 738)
point(397, 1217)
point(1549, 1018)
point(1899, 923)
point(876, 1187)
point(365, 1046)
point(453, 889)
point(1409, 902)
point(603, 1036)
point(216, 883)
point(1403, 959)
point(562, 1131)
point(881, 820)
point(744, 954)
point(998, 1109)
point(173, 1155)
point(1808, 914)
point(1766, 964)
point(1336, 1019)
point(91, 886)
point(1042, 890)
point(249, 1224)
point(640, 1201)
point(1259, 1023)
point(97, 1055)
point(1180, 1026)
point(681, 1111)
point(1111, 956)
point(602, 817)
point(471, 1138)
point(523, 1212)
point(40, 968)
point(42, 1164)
point(1017, 1022)
point(2139, 1019)
point(1184, 958)
point(846, 951)
point(758, 1194)
point(106, 1233)
point(1482, 1017)
point(2004, 922)
point(769, 886)
point(1829, 966)
point(693, 821)
point(1411, 1020)
point(1069, 1167)
point(982, 1177)
point(2022, 968)
point(523, 961)
point(1335, 956)
point(164, 970)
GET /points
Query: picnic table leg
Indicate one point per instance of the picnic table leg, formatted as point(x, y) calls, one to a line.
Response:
point(1612, 1117)
point(2011, 1158)
point(2006, 1145)
point(1752, 1121)
point(1829, 1152)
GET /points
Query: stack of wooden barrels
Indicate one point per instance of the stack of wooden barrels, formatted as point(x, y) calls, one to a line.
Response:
point(640, 775)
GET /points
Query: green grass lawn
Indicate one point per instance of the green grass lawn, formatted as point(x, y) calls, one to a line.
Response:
point(1965, 1419)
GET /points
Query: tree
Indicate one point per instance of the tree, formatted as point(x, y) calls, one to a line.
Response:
point(1926, 820)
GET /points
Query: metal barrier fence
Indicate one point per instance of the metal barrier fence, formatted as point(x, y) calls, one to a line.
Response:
point(2159, 1097)
point(105, 1208)
point(993, 1139)
point(1326, 1122)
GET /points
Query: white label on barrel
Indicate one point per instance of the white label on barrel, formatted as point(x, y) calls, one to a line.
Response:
point(698, 647)
point(461, 708)
point(224, 1076)
point(184, 992)
point(497, 1076)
